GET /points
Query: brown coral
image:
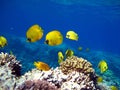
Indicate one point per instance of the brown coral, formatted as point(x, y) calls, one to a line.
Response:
point(36, 85)
point(74, 63)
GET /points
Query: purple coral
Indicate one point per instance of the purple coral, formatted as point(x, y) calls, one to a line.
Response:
point(37, 85)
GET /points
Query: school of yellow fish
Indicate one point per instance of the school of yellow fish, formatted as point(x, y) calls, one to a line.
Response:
point(53, 38)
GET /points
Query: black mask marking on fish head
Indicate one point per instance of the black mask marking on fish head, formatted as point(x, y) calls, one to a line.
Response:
point(0, 46)
point(47, 41)
point(68, 36)
point(28, 39)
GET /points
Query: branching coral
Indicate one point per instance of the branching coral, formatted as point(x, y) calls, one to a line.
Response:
point(74, 63)
point(12, 63)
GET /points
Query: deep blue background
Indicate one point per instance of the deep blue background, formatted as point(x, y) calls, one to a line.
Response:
point(98, 26)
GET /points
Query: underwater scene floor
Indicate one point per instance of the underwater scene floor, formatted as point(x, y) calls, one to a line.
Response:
point(28, 53)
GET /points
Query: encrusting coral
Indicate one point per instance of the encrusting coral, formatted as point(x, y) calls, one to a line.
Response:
point(12, 63)
point(74, 63)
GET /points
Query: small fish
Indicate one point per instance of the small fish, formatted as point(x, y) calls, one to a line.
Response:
point(3, 41)
point(60, 57)
point(113, 87)
point(99, 79)
point(80, 48)
point(42, 66)
point(54, 38)
point(34, 33)
point(69, 53)
point(102, 66)
point(72, 35)
point(87, 49)
point(11, 53)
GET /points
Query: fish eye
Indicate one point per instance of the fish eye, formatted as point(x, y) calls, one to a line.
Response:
point(47, 41)
point(105, 67)
point(6, 44)
point(28, 39)
point(68, 36)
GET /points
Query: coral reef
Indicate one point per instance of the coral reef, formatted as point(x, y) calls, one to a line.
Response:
point(79, 76)
point(12, 63)
point(7, 79)
point(60, 80)
point(74, 63)
point(36, 85)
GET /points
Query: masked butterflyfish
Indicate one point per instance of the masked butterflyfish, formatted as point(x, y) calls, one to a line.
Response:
point(60, 57)
point(102, 66)
point(54, 38)
point(69, 53)
point(42, 66)
point(34, 33)
point(72, 35)
point(3, 41)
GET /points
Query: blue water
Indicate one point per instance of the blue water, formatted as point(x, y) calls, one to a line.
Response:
point(97, 24)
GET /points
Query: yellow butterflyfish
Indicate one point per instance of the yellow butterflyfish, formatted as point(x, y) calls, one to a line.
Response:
point(60, 57)
point(72, 35)
point(102, 66)
point(69, 53)
point(3, 41)
point(34, 33)
point(54, 38)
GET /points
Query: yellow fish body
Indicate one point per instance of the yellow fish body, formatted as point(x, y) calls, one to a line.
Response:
point(54, 38)
point(103, 66)
point(69, 53)
point(34, 33)
point(60, 57)
point(72, 35)
point(3, 41)
point(99, 79)
point(41, 66)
